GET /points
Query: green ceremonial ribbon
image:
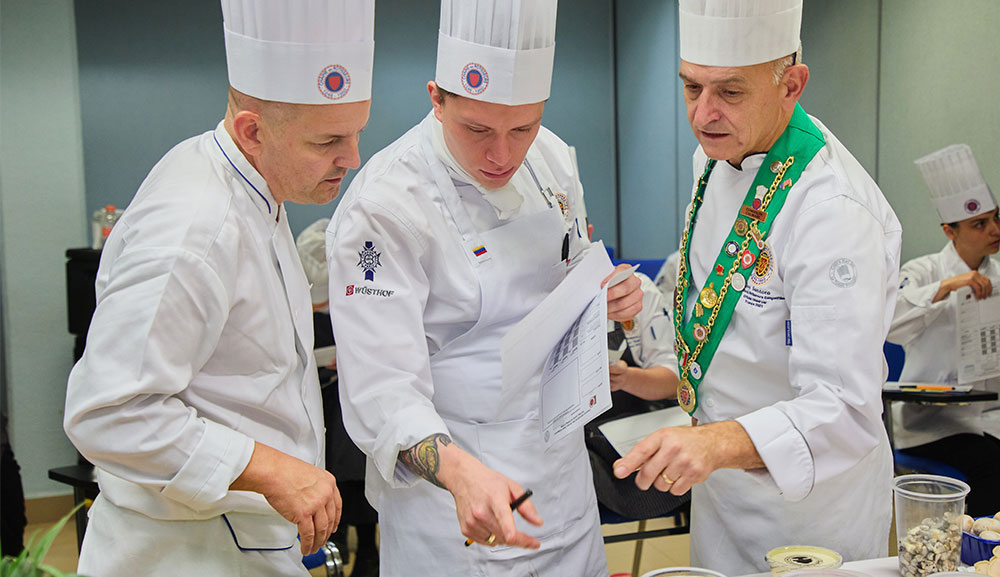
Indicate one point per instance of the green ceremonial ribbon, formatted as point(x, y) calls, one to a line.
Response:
point(782, 166)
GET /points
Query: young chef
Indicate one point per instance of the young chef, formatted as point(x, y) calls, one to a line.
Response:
point(447, 239)
point(925, 321)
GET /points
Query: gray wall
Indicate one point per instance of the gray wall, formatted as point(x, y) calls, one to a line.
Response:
point(143, 89)
point(41, 205)
point(894, 79)
point(940, 79)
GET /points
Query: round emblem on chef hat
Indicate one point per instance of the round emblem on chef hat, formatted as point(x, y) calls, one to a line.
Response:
point(334, 82)
point(971, 206)
point(474, 78)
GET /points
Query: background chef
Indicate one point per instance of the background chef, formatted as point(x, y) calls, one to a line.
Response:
point(781, 328)
point(650, 338)
point(446, 239)
point(197, 396)
point(963, 436)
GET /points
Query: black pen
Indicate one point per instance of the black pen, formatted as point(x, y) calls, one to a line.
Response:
point(514, 505)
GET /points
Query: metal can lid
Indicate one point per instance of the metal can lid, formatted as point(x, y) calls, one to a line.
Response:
point(792, 557)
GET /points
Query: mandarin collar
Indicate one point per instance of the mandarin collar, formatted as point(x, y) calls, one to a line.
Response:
point(253, 183)
point(750, 164)
point(958, 266)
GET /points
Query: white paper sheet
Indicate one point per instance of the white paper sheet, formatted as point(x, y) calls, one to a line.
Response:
point(325, 355)
point(565, 338)
point(977, 335)
point(625, 433)
point(524, 350)
point(576, 386)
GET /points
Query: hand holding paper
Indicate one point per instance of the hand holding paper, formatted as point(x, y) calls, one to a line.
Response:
point(624, 294)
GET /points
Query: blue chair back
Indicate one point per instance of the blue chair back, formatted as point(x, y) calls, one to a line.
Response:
point(894, 357)
point(909, 463)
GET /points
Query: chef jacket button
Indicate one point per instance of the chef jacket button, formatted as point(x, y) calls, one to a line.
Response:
point(710, 402)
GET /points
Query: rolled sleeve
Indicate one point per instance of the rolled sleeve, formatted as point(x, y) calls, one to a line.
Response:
point(218, 459)
point(156, 324)
point(839, 325)
point(915, 309)
point(784, 451)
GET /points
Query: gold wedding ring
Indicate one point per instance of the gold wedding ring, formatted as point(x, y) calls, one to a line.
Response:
point(668, 480)
point(491, 539)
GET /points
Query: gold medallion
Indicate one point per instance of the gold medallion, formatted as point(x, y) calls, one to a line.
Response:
point(741, 227)
point(686, 395)
point(709, 298)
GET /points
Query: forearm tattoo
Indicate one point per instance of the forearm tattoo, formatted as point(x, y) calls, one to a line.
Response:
point(424, 459)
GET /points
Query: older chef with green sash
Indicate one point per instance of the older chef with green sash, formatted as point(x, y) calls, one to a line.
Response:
point(785, 291)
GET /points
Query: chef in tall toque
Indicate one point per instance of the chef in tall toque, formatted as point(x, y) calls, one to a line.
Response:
point(197, 396)
point(447, 239)
point(786, 286)
point(926, 319)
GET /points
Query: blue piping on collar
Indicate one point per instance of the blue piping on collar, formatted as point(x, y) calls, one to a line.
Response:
point(223, 151)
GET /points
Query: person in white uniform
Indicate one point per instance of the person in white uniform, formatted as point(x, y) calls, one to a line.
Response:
point(780, 328)
point(650, 338)
point(447, 239)
point(666, 278)
point(197, 396)
point(962, 436)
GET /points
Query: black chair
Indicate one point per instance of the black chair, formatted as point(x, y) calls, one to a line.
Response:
point(620, 500)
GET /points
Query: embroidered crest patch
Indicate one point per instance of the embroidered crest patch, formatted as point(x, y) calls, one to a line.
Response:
point(368, 260)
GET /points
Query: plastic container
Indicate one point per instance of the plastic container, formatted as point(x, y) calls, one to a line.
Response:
point(976, 548)
point(683, 572)
point(783, 560)
point(928, 523)
point(101, 223)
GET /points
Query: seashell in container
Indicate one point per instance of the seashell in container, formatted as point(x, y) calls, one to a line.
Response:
point(977, 548)
point(986, 524)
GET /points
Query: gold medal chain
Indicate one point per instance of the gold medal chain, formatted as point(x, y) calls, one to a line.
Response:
point(682, 272)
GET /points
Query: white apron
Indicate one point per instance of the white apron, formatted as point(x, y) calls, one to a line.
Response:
point(419, 528)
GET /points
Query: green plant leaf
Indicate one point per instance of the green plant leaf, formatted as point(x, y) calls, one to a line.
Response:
point(52, 571)
point(37, 552)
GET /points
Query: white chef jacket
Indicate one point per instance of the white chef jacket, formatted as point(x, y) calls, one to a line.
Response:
point(200, 344)
point(666, 278)
point(926, 331)
point(406, 213)
point(651, 339)
point(800, 367)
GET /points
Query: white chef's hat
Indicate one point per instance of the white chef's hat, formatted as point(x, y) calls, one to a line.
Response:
point(738, 32)
point(311, 246)
point(301, 51)
point(497, 50)
point(958, 189)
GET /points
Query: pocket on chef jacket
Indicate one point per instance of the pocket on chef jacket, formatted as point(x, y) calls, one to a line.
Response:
point(818, 342)
point(256, 532)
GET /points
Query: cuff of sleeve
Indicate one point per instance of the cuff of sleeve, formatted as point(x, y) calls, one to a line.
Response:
point(922, 296)
point(221, 455)
point(786, 455)
point(407, 428)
